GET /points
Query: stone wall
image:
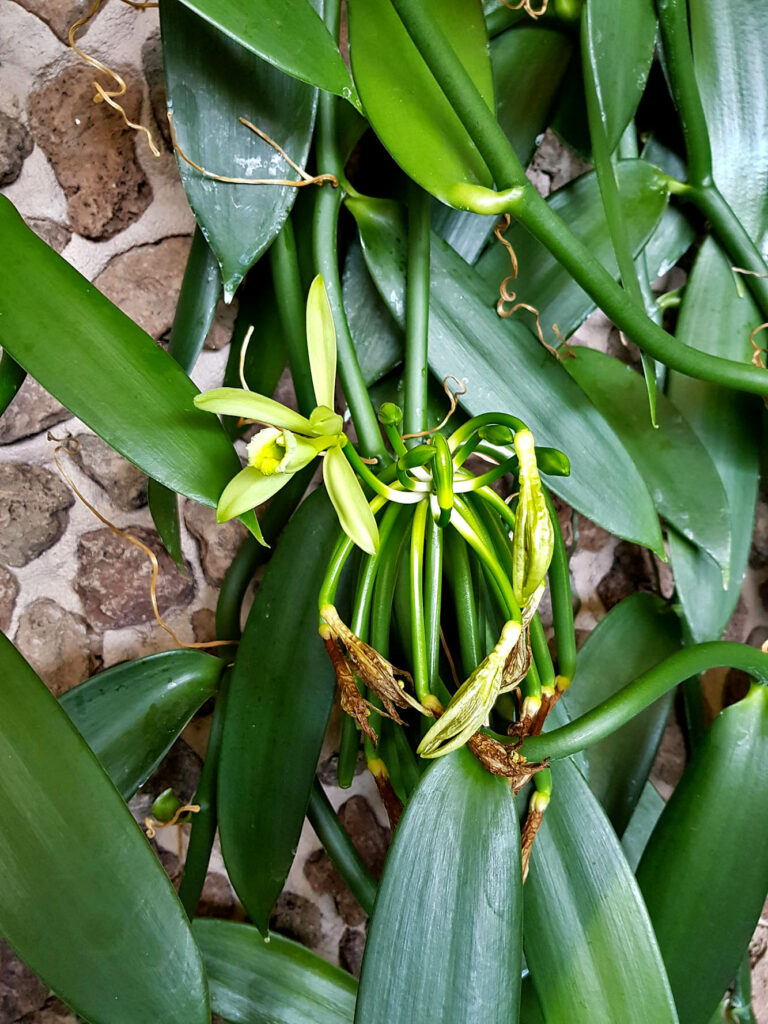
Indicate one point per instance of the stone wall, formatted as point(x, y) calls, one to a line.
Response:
point(74, 597)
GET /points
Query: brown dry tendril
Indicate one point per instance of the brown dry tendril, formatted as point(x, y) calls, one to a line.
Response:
point(505, 296)
point(526, 6)
point(152, 825)
point(304, 178)
point(70, 446)
point(461, 389)
point(102, 94)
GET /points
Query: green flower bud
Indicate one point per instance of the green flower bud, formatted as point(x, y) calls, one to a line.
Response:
point(323, 420)
point(496, 433)
point(165, 806)
point(390, 415)
point(534, 538)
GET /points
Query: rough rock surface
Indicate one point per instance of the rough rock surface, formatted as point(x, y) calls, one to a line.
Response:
point(59, 15)
point(113, 578)
point(351, 947)
point(54, 1012)
point(33, 511)
point(123, 482)
point(371, 841)
point(297, 918)
point(31, 411)
point(15, 146)
point(92, 155)
point(219, 542)
point(56, 235)
point(58, 644)
point(20, 990)
point(144, 282)
point(631, 572)
point(9, 591)
point(152, 64)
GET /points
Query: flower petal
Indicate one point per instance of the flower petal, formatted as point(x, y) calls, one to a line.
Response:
point(247, 490)
point(321, 343)
point(352, 508)
point(251, 406)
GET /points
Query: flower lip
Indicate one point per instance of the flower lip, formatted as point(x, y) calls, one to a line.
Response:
point(279, 451)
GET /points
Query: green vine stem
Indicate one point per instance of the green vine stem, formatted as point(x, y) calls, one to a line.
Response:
point(678, 58)
point(465, 606)
point(417, 311)
point(562, 600)
point(520, 199)
point(290, 297)
point(619, 709)
point(541, 655)
point(339, 848)
point(433, 596)
point(701, 189)
point(419, 655)
point(203, 830)
point(325, 244)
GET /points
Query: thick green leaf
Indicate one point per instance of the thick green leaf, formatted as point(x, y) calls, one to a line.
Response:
point(506, 370)
point(618, 42)
point(641, 824)
point(528, 64)
point(444, 941)
point(718, 313)
point(277, 981)
point(84, 901)
point(541, 281)
point(105, 369)
point(674, 463)
point(634, 636)
point(131, 714)
point(287, 33)
point(588, 940)
point(212, 81)
point(704, 873)
point(279, 700)
point(403, 102)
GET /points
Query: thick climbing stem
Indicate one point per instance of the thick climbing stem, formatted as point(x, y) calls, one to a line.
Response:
point(619, 709)
point(338, 845)
point(290, 303)
point(419, 653)
point(417, 311)
point(520, 199)
point(325, 242)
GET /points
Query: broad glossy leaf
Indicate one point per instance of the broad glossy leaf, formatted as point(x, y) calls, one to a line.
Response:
point(131, 714)
point(541, 281)
point(674, 463)
point(528, 65)
point(212, 81)
point(289, 34)
point(704, 873)
point(84, 900)
point(505, 369)
point(277, 981)
point(444, 941)
point(618, 42)
point(718, 313)
point(588, 940)
point(403, 102)
point(378, 340)
point(105, 369)
point(641, 824)
point(279, 700)
point(634, 636)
